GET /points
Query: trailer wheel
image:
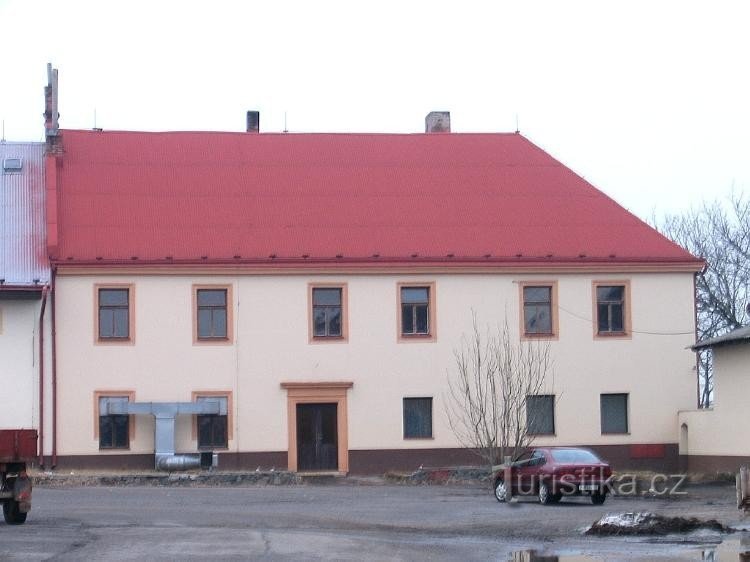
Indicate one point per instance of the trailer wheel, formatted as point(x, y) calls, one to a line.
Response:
point(11, 513)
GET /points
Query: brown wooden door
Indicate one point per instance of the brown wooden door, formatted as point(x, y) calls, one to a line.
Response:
point(317, 437)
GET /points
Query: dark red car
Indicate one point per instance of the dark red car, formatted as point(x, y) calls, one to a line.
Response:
point(552, 473)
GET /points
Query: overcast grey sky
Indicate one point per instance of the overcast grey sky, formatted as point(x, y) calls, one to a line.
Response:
point(650, 101)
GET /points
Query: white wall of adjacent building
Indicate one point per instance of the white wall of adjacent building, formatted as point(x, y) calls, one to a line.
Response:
point(720, 430)
point(271, 345)
point(19, 363)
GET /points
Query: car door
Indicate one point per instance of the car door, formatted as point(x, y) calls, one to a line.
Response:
point(522, 473)
point(530, 473)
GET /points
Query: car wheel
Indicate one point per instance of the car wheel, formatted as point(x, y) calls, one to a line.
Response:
point(545, 495)
point(500, 490)
point(597, 498)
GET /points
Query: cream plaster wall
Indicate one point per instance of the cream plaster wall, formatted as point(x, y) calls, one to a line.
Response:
point(720, 430)
point(271, 346)
point(19, 363)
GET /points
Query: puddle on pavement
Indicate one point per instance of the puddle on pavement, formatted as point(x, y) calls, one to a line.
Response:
point(735, 548)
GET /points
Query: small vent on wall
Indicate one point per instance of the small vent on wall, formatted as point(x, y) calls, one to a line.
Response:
point(13, 164)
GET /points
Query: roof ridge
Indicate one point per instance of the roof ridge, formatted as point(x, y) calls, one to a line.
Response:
point(290, 133)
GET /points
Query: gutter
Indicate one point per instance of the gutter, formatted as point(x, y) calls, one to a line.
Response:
point(273, 259)
point(41, 375)
point(23, 288)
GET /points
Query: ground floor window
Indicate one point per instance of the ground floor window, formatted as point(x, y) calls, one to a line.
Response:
point(114, 429)
point(540, 414)
point(614, 412)
point(417, 418)
point(213, 428)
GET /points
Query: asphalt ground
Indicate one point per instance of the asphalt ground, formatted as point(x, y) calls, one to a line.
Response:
point(334, 522)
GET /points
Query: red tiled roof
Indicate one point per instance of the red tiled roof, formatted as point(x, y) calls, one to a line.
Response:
point(220, 195)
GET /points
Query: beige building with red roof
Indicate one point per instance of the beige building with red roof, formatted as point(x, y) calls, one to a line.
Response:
point(313, 289)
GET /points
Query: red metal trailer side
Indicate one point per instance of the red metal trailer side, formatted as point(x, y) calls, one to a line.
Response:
point(17, 446)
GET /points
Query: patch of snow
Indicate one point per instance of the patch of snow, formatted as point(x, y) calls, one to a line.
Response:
point(631, 519)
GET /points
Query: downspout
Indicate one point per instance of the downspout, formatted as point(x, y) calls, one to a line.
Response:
point(695, 324)
point(41, 376)
point(54, 368)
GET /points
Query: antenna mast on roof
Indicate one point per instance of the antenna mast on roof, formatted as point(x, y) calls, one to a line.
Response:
point(518, 130)
point(3, 137)
point(95, 127)
point(285, 129)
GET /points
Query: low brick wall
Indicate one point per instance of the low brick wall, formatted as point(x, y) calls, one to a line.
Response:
point(275, 478)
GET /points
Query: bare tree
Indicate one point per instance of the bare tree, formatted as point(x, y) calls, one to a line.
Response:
point(718, 232)
point(489, 387)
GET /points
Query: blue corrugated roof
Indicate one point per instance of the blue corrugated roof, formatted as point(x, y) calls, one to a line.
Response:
point(23, 252)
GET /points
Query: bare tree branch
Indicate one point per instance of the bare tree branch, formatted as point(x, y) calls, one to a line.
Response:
point(718, 232)
point(488, 389)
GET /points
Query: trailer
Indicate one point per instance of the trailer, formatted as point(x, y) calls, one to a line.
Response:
point(17, 448)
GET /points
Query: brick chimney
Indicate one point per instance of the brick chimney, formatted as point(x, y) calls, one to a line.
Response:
point(437, 122)
point(51, 115)
point(253, 121)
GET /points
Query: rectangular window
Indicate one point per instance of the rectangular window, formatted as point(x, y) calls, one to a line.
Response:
point(327, 312)
point(114, 429)
point(540, 414)
point(614, 411)
point(114, 313)
point(416, 310)
point(213, 428)
point(610, 309)
point(417, 418)
point(212, 321)
point(13, 164)
point(537, 310)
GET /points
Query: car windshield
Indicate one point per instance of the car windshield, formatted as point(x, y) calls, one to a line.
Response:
point(574, 456)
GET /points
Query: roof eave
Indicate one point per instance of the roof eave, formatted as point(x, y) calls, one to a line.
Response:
point(484, 263)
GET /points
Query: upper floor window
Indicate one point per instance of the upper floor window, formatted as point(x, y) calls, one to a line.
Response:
point(539, 317)
point(114, 316)
point(212, 314)
point(417, 309)
point(612, 309)
point(327, 312)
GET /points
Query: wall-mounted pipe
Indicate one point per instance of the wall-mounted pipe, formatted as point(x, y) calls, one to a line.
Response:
point(53, 303)
point(41, 376)
point(177, 462)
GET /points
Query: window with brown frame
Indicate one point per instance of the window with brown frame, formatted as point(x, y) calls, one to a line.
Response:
point(213, 428)
point(114, 429)
point(610, 309)
point(327, 312)
point(415, 311)
point(212, 314)
point(114, 313)
point(537, 310)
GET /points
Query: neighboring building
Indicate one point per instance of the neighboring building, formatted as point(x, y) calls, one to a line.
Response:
point(319, 283)
point(25, 338)
point(713, 439)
